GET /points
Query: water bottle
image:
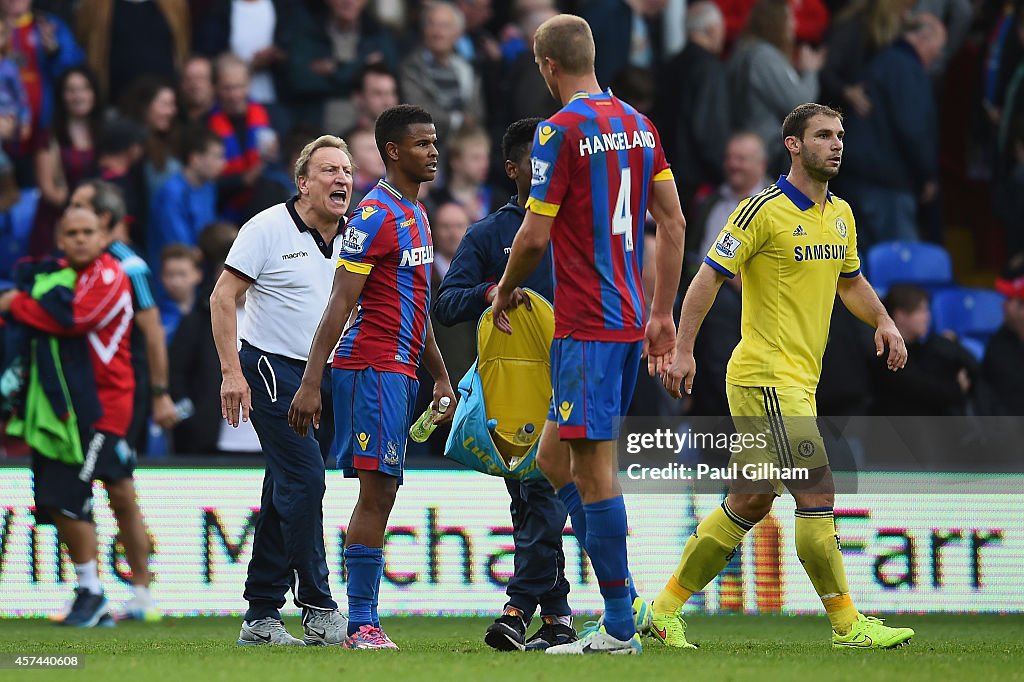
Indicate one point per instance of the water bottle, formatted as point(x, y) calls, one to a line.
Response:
point(492, 424)
point(424, 426)
point(524, 436)
point(184, 408)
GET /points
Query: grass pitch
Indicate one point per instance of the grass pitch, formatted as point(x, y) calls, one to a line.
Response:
point(972, 648)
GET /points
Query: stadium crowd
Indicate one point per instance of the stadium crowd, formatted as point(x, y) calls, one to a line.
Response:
point(196, 111)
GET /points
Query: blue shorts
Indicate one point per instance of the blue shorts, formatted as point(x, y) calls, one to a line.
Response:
point(372, 415)
point(592, 385)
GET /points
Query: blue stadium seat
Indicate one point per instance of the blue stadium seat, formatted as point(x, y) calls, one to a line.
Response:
point(971, 313)
point(927, 265)
point(976, 347)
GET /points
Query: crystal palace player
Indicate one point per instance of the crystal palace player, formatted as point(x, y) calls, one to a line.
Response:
point(596, 164)
point(384, 267)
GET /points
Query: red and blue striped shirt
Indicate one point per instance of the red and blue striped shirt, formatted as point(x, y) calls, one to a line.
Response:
point(593, 165)
point(387, 239)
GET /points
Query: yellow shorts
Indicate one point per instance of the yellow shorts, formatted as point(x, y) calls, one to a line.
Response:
point(783, 422)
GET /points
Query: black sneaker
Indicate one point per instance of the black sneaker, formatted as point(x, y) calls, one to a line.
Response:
point(551, 633)
point(87, 611)
point(507, 632)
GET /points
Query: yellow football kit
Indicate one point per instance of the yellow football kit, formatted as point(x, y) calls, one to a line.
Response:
point(790, 255)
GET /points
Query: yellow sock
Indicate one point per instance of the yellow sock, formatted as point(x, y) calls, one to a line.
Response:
point(706, 553)
point(672, 597)
point(841, 612)
point(817, 547)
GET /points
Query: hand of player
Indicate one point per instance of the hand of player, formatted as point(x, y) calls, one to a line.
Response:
point(519, 297)
point(680, 374)
point(305, 409)
point(443, 389)
point(234, 392)
point(659, 343)
point(887, 335)
point(501, 303)
point(164, 414)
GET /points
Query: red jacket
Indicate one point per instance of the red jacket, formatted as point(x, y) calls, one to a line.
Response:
point(811, 18)
point(102, 312)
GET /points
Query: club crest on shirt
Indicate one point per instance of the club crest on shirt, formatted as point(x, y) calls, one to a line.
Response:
point(726, 246)
point(353, 240)
point(841, 227)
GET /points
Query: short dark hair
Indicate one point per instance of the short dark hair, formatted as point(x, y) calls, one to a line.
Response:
point(394, 122)
point(374, 69)
point(120, 135)
point(518, 139)
point(197, 140)
point(106, 199)
point(905, 298)
point(795, 124)
point(181, 251)
point(215, 241)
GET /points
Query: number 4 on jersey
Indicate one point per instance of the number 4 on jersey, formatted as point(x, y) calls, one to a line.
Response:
point(622, 220)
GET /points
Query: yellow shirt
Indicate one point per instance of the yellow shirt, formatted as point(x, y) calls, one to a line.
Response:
point(790, 255)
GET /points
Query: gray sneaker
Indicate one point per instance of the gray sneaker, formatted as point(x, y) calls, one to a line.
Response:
point(323, 628)
point(266, 631)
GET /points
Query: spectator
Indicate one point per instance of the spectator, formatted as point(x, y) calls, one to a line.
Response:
point(626, 33)
point(479, 46)
point(448, 227)
point(1004, 355)
point(366, 160)
point(195, 367)
point(249, 141)
point(43, 47)
point(128, 39)
point(188, 200)
point(900, 135)
point(118, 157)
point(327, 51)
point(15, 117)
point(469, 152)
point(859, 33)
point(435, 77)
point(253, 30)
point(956, 16)
point(939, 373)
point(376, 89)
point(179, 276)
point(764, 86)
point(151, 102)
point(810, 16)
point(745, 164)
point(1009, 185)
point(846, 367)
point(195, 93)
point(67, 155)
point(526, 95)
point(694, 120)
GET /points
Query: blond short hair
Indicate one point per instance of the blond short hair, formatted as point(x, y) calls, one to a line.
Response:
point(568, 41)
point(302, 163)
